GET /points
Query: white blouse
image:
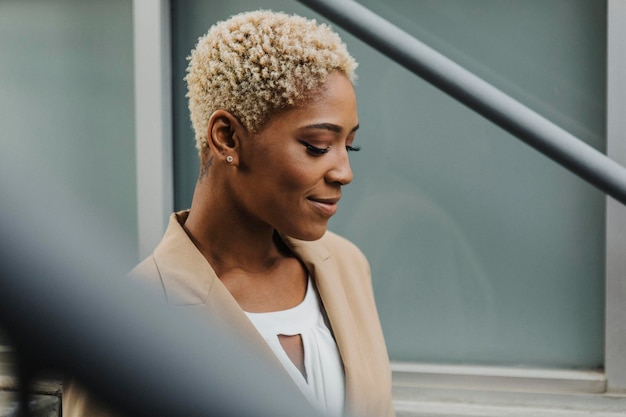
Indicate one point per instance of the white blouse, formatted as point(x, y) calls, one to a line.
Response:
point(324, 384)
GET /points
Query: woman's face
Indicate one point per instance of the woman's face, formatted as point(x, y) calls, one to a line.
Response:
point(291, 172)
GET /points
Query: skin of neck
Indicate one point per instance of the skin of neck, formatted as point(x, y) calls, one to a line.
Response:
point(226, 235)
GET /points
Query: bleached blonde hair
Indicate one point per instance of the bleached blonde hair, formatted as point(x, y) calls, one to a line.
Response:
point(258, 63)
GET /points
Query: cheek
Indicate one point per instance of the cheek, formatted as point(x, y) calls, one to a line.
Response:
point(299, 179)
point(282, 173)
point(296, 174)
point(278, 186)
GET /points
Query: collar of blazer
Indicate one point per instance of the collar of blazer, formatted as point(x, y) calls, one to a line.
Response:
point(189, 280)
point(325, 271)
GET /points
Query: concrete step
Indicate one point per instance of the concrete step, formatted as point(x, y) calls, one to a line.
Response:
point(45, 398)
point(40, 405)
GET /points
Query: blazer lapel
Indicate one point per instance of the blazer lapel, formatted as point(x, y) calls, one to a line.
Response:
point(190, 282)
point(323, 268)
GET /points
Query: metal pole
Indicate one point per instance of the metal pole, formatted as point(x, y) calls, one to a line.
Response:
point(615, 327)
point(477, 94)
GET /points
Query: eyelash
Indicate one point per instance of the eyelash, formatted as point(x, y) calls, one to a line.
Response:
point(314, 149)
point(321, 151)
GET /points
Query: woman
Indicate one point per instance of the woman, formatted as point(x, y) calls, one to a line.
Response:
point(274, 113)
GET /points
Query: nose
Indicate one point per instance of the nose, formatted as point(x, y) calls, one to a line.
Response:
point(340, 172)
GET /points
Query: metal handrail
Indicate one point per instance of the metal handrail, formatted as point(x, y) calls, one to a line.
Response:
point(480, 96)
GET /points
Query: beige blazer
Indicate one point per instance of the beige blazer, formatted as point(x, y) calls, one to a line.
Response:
point(342, 276)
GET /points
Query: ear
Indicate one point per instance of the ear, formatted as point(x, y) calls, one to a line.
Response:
point(224, 136)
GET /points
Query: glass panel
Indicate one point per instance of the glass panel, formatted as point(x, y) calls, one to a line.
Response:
point(66, 83)
point(482, 250)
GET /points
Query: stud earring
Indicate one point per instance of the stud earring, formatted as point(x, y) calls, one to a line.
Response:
point(229, 159)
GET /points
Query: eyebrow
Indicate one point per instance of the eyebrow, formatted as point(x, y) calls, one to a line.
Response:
point(329, 126)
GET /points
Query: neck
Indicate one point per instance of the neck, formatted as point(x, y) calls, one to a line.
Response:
point(227, 238)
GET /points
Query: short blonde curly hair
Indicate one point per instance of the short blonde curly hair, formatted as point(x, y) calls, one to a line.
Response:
point(258, 63)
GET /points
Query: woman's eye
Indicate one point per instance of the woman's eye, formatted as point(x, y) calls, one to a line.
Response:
point(353, 148)
point(314, 149)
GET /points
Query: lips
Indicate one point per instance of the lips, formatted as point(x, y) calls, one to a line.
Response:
point(327, 206)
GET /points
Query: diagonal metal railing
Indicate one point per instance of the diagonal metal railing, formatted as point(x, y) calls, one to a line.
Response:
point(482, 97)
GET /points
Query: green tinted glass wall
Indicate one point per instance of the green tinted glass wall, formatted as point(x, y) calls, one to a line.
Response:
point(482, 250)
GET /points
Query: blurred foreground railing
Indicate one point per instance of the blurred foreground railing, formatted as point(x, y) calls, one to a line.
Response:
point(68, 309)
point(477, 94)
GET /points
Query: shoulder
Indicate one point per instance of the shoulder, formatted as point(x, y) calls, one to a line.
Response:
point(347, 253)
point(146, 274)
point(331, 246)
point(335, 256)
point(145, 270)
point(339, 246)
